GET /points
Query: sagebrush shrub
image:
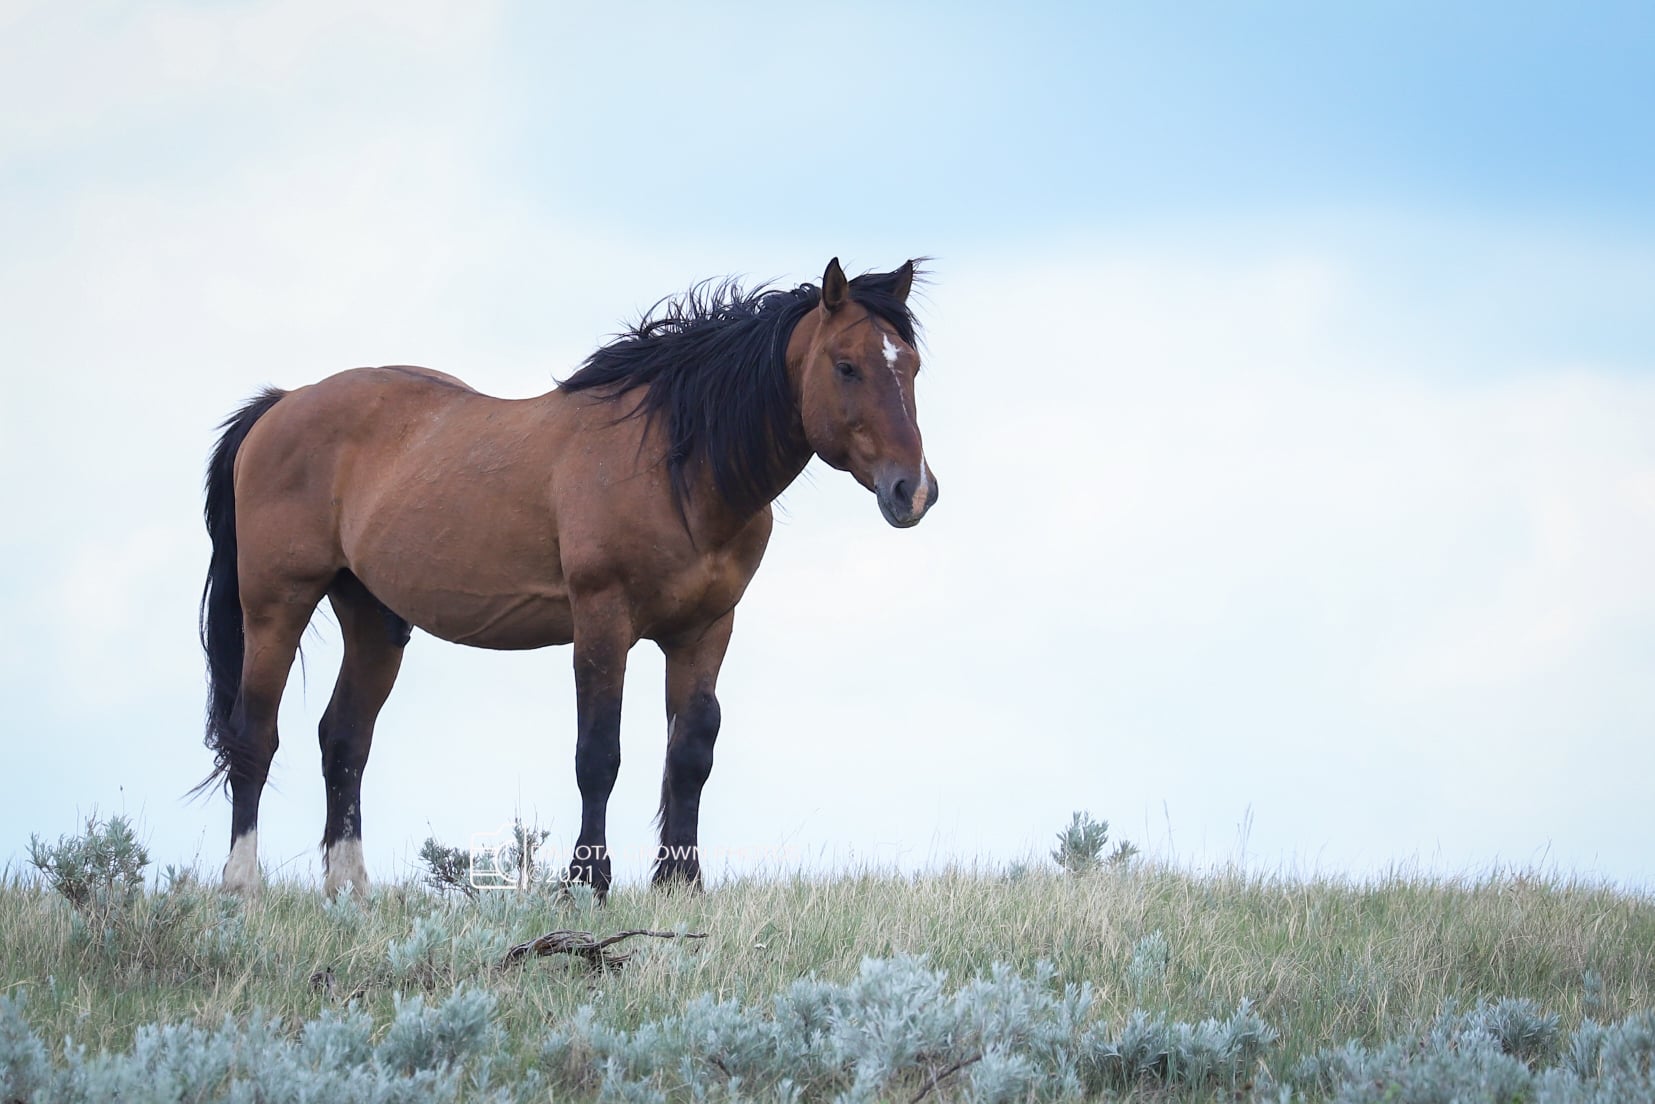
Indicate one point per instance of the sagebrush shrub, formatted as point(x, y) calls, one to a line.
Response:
point(896, 1031)
point(429, 1054)
point(1151, 1050)
point(1147, 968)
point(895, 1026)
point(100, 872)
point(443, 950)
point(1080, 846)
point(447, 869)
point(438, 1037)
point(1478, 1056)
point(1593, 998)
point(25, 1072)
point(1620, 1052)
point(219, 938)
point(1518, 1025)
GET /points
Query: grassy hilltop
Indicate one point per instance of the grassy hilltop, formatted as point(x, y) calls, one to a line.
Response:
point(1133, 980)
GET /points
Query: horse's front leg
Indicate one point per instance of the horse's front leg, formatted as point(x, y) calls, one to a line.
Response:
point(692, 729)
point(603, 636)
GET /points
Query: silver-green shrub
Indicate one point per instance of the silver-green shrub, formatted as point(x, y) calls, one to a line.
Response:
point(1622, 1052)
point(1479, 1056)
point(999, 1036)
point(25, 1072)
point(1080, 845)
point(1151, 1051)
point(181, 929)
point(895, 1031)
point(100, 873)
point(1147, 968)
point(443, 949)
point(1518, 1025)
point(436, 1054)
point(218, 939)
point(438, 1037)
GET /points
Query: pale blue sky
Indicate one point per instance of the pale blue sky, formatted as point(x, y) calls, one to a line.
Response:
point(1290, 373)
point(982, 120)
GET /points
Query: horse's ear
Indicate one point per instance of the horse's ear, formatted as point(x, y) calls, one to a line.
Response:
point(835, 288)
point(904, 282)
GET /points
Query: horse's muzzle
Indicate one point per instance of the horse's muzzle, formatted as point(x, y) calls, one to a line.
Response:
point(905, 499)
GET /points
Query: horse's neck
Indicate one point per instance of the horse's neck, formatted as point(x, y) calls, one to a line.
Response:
point(794, 451)
point(714, 521)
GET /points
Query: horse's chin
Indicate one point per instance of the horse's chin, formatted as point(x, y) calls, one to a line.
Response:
point(897, 520)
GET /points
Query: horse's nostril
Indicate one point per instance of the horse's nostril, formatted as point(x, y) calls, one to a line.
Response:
point(900, 492)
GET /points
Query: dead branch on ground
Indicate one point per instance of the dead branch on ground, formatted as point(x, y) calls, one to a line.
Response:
point(583, 945)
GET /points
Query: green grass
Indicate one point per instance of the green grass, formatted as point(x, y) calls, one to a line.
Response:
point(1323, 961)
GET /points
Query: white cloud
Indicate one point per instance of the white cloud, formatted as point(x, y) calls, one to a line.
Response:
point(1174, 436)
point(1558, 453)
point(72, 72)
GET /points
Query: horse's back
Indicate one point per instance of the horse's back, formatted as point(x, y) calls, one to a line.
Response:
point(361, 403)
point(356, 400)
point(431, 493)
point(442, 379)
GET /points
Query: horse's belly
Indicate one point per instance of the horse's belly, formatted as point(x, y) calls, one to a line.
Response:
point(490, 578)
point(471, 608)
point(513, 622)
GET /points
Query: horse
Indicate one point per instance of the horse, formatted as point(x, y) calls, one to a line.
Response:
point(631, 502)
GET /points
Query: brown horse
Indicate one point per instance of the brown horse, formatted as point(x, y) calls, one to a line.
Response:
point(630, 503)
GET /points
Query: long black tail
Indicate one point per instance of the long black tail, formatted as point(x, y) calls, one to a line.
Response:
point(221, 627)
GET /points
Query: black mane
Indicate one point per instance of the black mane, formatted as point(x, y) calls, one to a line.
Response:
point(714, 361)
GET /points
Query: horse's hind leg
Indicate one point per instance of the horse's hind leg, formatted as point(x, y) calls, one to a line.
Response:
point(374, 638)
point(271, 630)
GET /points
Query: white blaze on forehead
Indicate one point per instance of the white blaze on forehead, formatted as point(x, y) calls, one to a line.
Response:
point(891, 355)
point(922, 493)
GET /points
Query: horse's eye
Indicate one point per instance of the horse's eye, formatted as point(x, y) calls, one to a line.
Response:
point(846, 369)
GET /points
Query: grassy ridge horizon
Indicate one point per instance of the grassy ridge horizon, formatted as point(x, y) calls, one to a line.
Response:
point(1324, 962)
